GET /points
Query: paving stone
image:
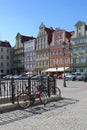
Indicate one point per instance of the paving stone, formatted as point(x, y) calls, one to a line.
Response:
point(70, 113)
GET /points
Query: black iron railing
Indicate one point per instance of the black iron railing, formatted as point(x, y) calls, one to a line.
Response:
point(9, 88)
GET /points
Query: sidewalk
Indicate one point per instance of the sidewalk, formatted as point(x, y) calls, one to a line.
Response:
point(67, 114)
point(10, 107)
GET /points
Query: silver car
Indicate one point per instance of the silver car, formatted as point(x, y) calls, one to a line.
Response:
point(71, 76)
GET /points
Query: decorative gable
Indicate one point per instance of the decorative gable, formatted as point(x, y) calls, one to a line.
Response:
point(79, 23)
point(80, 30)
point(20, 39)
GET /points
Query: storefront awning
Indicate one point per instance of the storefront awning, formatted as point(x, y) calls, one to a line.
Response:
point(60, 69)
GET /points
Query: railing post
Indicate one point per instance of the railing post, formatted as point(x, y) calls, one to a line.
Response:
point(0, 88)
point(13, 88)
point(54, 79)
point(29, 84)
point(48, 87)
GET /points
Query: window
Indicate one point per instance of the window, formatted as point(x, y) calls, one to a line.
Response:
point(1, 49)
point(61, 35)
point(74, 51)
point(80, 50)
point(79, 28)
point(43, 54)
point(7, 71)
point(42, 63)
point(2, 71)
point(7, 50)
point(74, 60)
point(46, 54)
point(66, 50)
point(43, 46)
point(7, 57)
point(79, 34)
point(1, 64)
point(56, 35)
point(1, 56)
point(37, 56)
point(30, 58)
point(58, 61)
point(54, 52)
point(7, 64)
point(78, 41)
point(39, 63)
point(51, 52)
point(63, 51)
point(54, 61)
point(58, 52)
point(47, 62)
point(80, 59)
point(86, 58)
point(61, 41)
point(56, 43)
point(31, 53)
point(63, 60)
point(39, 46)
point(66, 60)
point(86, 49)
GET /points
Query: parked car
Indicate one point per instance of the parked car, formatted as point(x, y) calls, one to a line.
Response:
point(65, 74)
point(8, 76)
point(71, 76)
point(36, 76)
point(24, 75)
point(84, 76)
point(59, 76)
point(78, 76)
point(15, 76)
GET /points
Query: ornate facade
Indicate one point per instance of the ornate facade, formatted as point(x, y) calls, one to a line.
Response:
point(79, 47)
point(19, 53)
point(6, 58)
point(57, 51)
point(44, 39)
point(30, 56)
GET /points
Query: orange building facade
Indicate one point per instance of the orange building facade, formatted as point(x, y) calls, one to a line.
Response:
point(60, 56)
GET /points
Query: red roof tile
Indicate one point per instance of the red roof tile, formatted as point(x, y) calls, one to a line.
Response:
point(49, 32)
point(85, 27)
point(68, 35)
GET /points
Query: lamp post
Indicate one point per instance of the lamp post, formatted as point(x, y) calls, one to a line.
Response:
point(64, 80)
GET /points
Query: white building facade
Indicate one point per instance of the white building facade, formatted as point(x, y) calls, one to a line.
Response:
point(29, 56)
point(6, 57)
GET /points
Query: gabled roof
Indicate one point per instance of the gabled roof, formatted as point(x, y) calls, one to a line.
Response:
point(68, 35)
point(26, 38)
point(5, 44)
point(81, 23)
point(49, 32)
point(85, 27)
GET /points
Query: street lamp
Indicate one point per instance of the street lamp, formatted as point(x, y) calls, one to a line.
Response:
point(64, 47)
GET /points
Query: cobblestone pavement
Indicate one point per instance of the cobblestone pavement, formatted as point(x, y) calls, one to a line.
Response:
point(69, 113)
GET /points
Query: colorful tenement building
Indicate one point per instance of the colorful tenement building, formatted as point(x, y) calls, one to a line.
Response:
point(46, 51)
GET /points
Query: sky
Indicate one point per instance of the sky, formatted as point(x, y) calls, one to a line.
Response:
point(25, 16)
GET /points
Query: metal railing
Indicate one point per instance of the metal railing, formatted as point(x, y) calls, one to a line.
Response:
point(9, 88)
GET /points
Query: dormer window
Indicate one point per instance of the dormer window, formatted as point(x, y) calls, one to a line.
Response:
point(79, 34)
